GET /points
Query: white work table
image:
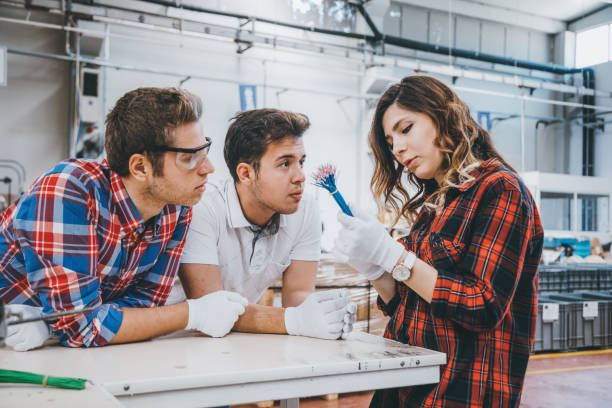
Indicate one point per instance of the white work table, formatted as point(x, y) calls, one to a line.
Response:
point(190, 370)
point(29, 395)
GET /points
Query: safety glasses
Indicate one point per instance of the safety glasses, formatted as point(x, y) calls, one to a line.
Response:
point(187, 159)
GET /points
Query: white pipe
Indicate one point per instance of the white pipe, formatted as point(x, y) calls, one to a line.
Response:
point(76, 119)
point(265, 85)
point(390, 61)
point(49, 26)
point(108, 34)
point(335, 94)
point(448, 70)
point(272, 42)
point(523, 133)
point(575, 208)
point(530, 98)
point(184, 74)
point(413, 64)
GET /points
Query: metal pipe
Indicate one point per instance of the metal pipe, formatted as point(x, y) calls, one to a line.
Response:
point(157, 41)
point(475, 55)
point(588, 132)
point(530, 98)
point(67, 9)
point(537, 140)
point(19, 180)
point(180, 74)
point(523, 133)
point(386, 39)
point(107, 21)
point(336, 94)
point(17, 165)
point(457, 52)
point(454, 71)
point(252, 18)
point(377, 34)
point(76, 97)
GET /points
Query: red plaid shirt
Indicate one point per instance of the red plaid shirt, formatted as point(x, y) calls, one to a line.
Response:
point(486, 245)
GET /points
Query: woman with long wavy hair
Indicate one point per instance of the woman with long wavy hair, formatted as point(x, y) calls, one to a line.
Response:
point(464, 280)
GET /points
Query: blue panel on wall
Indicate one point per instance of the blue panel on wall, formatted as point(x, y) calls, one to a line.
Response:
point(484, 119)
point(248, 97)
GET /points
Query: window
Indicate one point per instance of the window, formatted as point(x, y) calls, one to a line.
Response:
point(90, 84)
point(593, 211)
point(556, 211)
point(592, 46)
point(332, 14)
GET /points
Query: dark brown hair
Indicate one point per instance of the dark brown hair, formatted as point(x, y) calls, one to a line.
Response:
point(249, 136)
point(147, 117)
point(463, 142)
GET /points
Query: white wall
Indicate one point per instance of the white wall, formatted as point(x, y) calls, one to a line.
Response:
point(603, 81)
point(603, 140)
point(37, 97)
point(34, 104)
point(488, 37)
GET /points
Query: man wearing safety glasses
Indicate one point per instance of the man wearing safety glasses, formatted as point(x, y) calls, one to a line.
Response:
point(188, 159)
point(107, 237)
point(258, 227)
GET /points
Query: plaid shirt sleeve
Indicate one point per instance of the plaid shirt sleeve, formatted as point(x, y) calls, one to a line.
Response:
point(55, 226)
point(154, 288)
point(478, 296)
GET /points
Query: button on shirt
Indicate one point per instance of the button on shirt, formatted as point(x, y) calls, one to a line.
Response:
point(250, 261)
point(75, 239)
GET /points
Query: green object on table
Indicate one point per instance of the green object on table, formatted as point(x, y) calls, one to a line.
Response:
point(23, 377)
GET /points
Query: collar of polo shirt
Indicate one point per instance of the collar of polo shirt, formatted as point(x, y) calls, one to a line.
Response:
point(236, 216)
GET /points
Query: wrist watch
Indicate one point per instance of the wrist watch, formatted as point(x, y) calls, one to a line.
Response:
point(403, 269)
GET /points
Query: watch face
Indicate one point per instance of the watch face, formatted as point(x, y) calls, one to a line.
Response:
point(401, 272)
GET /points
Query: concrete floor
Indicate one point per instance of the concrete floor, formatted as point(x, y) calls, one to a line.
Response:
point(579, 379)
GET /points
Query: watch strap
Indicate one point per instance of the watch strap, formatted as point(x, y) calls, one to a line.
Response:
point(410, 260)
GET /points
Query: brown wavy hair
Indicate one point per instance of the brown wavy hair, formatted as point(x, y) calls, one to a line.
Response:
point(463, 142)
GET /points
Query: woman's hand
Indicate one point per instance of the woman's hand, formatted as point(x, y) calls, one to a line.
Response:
point(366, 244)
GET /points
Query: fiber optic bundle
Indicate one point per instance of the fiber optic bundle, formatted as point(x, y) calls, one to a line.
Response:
point(325, 177)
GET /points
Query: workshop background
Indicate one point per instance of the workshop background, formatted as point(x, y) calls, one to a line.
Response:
point(536, 74)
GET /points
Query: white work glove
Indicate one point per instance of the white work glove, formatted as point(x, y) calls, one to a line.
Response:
point(26, 336)
point(367, 244)
point(320, 315)
point(349, 319)
point(215, 314)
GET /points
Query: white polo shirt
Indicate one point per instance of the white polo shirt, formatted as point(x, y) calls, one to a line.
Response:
point(221, 235)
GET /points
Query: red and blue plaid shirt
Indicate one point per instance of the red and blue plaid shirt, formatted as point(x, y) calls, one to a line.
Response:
point(486, 245)
point(75, 239)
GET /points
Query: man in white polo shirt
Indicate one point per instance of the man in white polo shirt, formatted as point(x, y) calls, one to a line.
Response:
point(249, 231)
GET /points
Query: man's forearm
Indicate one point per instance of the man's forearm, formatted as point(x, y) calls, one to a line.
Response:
point(295, 298)
point(144, 323)
point(262, 319)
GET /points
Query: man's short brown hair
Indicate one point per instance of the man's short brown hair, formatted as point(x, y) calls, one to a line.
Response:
point(147, 117)
point(249, 136)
